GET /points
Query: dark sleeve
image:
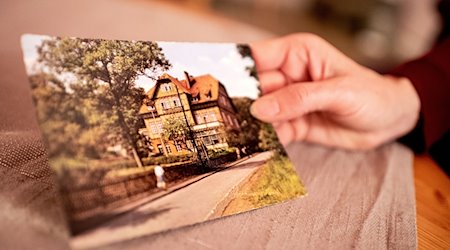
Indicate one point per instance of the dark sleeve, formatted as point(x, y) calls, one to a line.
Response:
point(430, 75)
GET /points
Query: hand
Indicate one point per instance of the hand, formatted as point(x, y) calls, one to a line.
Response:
point(314, 93)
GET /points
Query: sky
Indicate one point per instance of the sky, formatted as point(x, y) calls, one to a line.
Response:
point(221, 60)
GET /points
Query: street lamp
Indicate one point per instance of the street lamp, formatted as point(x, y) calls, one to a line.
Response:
point(191, 134)
point(152, 103)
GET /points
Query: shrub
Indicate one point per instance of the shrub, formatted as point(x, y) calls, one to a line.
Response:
point(167, 159)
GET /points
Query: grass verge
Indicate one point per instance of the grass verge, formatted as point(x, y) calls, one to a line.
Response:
point(274, 182)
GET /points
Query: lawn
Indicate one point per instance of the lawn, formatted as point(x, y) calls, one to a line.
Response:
point(278, 182)
point(274, 182)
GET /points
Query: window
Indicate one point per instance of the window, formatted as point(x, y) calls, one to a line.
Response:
point(236, 123)
point(215, 138)
point(212, 117)
point(189, 144)
point(178, 146)
point(226, 119)
point(162, 105)
point(153, 128)
point(160, 149)
point(206, 140)
point(167, 87)
point(160, 127)
point(195, 99)
point(222, 100)
point(168, 149)
point(176, 102)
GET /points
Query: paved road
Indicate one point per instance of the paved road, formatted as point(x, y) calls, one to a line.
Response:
point(190, 205)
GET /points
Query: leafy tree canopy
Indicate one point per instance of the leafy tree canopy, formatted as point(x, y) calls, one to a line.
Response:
point(175, 128)
point(246, 52)
point(250, 126)
point(105, 72)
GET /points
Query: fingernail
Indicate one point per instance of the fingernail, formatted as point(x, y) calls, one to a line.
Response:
point(265, 106)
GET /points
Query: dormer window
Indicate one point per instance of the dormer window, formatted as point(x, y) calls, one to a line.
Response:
point(208, 95)
point(167, 87)
point(195, 98)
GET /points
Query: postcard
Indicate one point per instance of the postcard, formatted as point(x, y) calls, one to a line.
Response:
point(146, 137)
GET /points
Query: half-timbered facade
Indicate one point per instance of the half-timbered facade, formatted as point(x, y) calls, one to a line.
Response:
point(200, 105)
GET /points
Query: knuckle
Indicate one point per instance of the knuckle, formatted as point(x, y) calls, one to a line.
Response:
point(303, 36)
point(306, 38)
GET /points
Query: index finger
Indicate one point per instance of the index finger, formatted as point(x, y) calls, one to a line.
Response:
point(288, 55)
point(269, 54)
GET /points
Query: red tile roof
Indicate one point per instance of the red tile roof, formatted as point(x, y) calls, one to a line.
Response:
point(205, 88)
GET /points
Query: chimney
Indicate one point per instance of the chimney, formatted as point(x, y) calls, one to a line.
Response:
point(189, 82)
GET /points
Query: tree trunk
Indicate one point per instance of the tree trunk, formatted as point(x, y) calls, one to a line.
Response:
point(163, 144)
point(126, 129)
point(136, 157)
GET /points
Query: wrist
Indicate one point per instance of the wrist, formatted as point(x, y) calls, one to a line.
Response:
point(408, 104)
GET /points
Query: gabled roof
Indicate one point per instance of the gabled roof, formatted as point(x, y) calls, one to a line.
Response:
point(205, 88)
point(181, 86)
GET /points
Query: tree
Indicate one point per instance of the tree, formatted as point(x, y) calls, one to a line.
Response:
point(67, 121)
point(106, 72)
point(248, 136)
point(246, 52)
point(268, 139)
point(175, 128)
point(56, 114)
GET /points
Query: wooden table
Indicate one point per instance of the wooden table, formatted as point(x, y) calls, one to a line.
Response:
point(433, 204)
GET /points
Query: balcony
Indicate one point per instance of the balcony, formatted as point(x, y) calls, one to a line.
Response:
point(172, 110)
point(207, 125)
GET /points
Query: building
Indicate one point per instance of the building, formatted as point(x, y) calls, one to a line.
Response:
point(202, 102)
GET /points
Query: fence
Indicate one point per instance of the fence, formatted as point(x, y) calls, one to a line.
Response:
point(87, 193)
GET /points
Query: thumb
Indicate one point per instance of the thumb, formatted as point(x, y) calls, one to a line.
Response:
point(296, 100)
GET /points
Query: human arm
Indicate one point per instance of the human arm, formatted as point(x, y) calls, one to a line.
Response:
point(430, 76)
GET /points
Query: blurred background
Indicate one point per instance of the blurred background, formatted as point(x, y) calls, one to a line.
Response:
point(377, 33)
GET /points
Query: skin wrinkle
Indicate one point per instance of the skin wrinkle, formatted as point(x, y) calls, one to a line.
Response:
point(302, 124)
point(299, 97)
point(303, 74)
point(304, 56)
point(343, 104)
point(273, 86)
point(285, 70)
point(312, 66)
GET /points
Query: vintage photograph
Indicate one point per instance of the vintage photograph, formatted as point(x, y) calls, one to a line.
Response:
point(146, 137)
